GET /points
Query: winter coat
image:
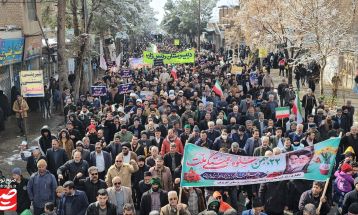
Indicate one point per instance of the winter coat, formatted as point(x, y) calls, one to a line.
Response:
point(127, 195)
point(90, 188)
point(125, 172)
point(166, 146)
point(20, 105)
point(220, 143)
point(349, 199)
point(344, 181)
point(164, 175)
point(73, 169)
point(146, 201)
point(45, 142)
point(223, 205)
point(106, 156)
point(78, 204)
point(42, 189)
point(93, 209)
point(22, 195)
point(55, 159)
point(68, 145)
point(274, 196)
point(31, 165)
point(307, 198)
point(211, 200)
point(250, 145)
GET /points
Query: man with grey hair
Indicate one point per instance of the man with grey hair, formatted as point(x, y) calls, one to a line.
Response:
point(265, 146)
point(309, 209)
point(174, 207)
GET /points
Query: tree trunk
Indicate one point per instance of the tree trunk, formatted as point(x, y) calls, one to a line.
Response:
point(321, 75)
point(76, 25)
point(61, 47)
point(79, 68)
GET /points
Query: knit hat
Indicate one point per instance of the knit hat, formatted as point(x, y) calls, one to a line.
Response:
point(126, 144)
point(155, 181)
point(187, 126)
point(196, 128)
point(16, 171)
point(346, 168)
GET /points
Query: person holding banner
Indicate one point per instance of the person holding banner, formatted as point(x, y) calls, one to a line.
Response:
point(174, 207)
point(314, 196)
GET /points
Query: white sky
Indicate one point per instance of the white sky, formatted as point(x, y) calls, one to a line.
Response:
point(158, 6)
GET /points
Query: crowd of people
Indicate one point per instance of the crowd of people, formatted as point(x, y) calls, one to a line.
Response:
point(121, 154)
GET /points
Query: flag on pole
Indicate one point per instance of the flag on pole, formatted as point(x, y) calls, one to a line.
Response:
point(174, 74)
point(282, 112)
point(297, 108)
point(217, 89)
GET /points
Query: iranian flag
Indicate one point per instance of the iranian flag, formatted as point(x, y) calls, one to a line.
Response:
point(217, 89)
point(297, 108)
point(282, 112)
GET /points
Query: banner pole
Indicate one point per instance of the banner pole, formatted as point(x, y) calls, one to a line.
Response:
point(323, 195)
point(179, 200)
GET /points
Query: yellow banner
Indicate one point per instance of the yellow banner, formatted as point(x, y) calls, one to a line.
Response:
point(236, 69)
point(263, 53)
point(32, 84)
point(176, 42)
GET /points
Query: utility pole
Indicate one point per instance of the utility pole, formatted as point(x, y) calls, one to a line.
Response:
point(61, 47)
point(199, 28)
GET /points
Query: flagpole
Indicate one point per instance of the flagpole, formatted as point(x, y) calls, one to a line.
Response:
point(179, 200)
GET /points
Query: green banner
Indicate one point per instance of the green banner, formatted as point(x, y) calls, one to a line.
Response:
point(174, 58)
point(203, 167)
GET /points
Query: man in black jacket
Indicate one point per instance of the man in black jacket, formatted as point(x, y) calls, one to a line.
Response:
point(20, 184)
point(146, 205)
point(138, 176)
point(73, 202)
point(314, 196)
point(55, 157)
point(350, 197)
point(31, 165)
point(172, 159)
point(75, 167)
point(102, 203)
point(45, 141)
point(91, 185)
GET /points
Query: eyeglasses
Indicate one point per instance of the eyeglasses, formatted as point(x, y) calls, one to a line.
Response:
point(117, 183)
point(95, 173)
point(119, 161)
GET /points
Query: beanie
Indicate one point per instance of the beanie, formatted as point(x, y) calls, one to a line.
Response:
point(16, 171)
point(346, 168)
point(353, 208)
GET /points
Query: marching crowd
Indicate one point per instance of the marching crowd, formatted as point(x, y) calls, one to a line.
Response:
point(121, 154)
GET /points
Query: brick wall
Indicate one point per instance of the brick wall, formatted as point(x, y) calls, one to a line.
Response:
point(11, 13)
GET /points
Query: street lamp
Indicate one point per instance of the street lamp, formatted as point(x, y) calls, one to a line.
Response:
point(199, 29)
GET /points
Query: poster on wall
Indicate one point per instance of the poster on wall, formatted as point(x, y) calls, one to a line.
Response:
point(33, 46)
point(11, 51)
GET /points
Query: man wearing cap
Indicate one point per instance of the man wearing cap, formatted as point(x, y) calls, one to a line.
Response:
point(41, 187)
point(85, 153)
point(124, 135)
point(31, 165)
point(163, 173)
point(158, 139)
point(20, 184)
point(154, 153)
point(153, 199)
point(55, 157)
point(172, 159)
point(350, 198)
point(188, 113)
point(123, 170)
point(127, 154)
point(143, 186)
point(174, 117)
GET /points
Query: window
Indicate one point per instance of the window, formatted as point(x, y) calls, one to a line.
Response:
point(31, 10)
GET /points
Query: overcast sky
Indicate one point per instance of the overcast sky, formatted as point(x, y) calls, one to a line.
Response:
point(158, 6)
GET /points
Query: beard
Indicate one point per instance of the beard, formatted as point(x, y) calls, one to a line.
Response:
point(155, 189)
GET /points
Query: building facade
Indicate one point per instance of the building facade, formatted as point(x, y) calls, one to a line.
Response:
point(20, 41)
